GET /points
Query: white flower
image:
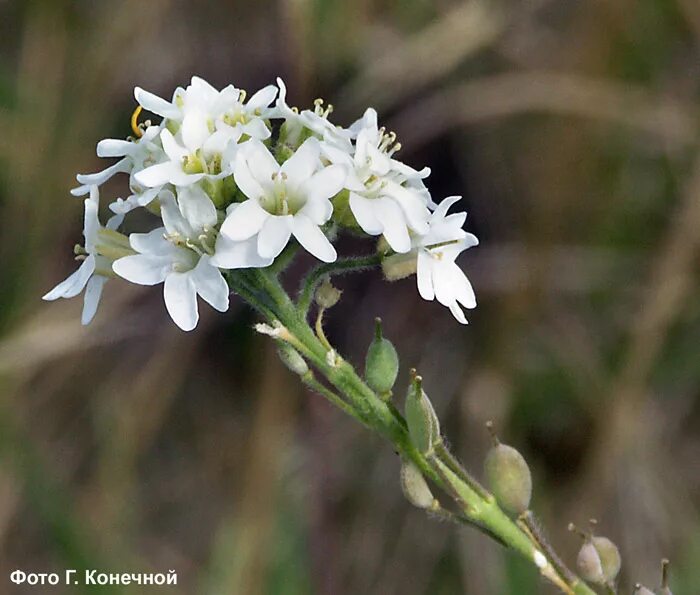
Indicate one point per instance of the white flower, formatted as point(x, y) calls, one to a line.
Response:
point(188, 163)
point(438, 275)
point(386, 197)
point(135, 155)
point(297, 125)
point(200, 107)
point(179, 255)
point(95, 269)
point(286, 200)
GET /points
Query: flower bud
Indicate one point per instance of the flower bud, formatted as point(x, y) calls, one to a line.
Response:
point(508, 476)
point(423, 424)
point(326, 295)
point(292, 358)
point(399, 266)
point(381, 363)
point(414, 486)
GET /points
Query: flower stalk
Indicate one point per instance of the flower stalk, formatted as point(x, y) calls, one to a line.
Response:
point(475, 506)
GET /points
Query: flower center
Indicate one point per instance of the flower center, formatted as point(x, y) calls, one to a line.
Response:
point(202, 244)
point(280, 201)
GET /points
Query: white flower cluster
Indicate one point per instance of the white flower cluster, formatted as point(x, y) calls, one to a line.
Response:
point(232, 181)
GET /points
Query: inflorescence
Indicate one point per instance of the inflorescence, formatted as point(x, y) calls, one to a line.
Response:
point(232, 182)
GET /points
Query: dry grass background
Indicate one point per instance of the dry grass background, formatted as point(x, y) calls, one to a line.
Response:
point(571, 128)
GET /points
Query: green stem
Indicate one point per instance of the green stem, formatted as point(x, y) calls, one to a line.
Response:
point(366, 406)
point(346, 265)
point(310, 380)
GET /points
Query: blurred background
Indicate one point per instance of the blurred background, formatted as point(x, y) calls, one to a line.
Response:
point(571, 129)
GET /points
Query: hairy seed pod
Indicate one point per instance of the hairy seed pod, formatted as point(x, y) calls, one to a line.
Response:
point(381, 363)
point(414, 486)
point(326, 295)
point(423, 424)
point(609, 557)
point(292, 358)
point(509, 478)
point(589, 564)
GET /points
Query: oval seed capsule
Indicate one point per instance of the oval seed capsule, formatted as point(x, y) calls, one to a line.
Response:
point(508, 476)
point(381, 363)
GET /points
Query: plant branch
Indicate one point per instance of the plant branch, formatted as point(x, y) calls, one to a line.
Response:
point(477, 506)
point(346, 265)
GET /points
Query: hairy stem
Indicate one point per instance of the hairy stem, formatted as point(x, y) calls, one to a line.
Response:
point(476, 505)
point(346, 265)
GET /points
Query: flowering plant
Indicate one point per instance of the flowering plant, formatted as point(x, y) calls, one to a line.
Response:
point(233, 183)
point(236, 188)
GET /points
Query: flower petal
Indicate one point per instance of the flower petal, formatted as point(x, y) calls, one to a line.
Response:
point(143, 269)
point(464, 292)
point(173, 219)
point(75, 283)
point(256, 128)
point(156, 104)
point(100, 177)
point(305, 161)
point(363, 210)
point(210, 284)
point(230, 254)
point(262, 98)
point(181, 300)
point(311, 237)
point(244, 221)
point(196, 207)
point(195, 130)
point(91, 299)
point(444, 283)
point(91, 224)
point(247, 183)
point(325, 183)
point(274, 235)
point(261, 163)
point(151, 243)
point(445, 205)
point(158, 174)
point(424, 276)
point(394, 223)
point(112, 147)
point(457, 313)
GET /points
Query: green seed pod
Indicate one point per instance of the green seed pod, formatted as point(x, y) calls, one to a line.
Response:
point(423, 424)
point(414, 486)
point(508, 476)
point(381, 363)
point(610, 560)
point(292, 358)
point(589, 564)
point(326, 295)
point(641, 590)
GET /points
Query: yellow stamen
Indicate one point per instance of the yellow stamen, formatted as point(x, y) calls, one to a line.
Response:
point(135, 122)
